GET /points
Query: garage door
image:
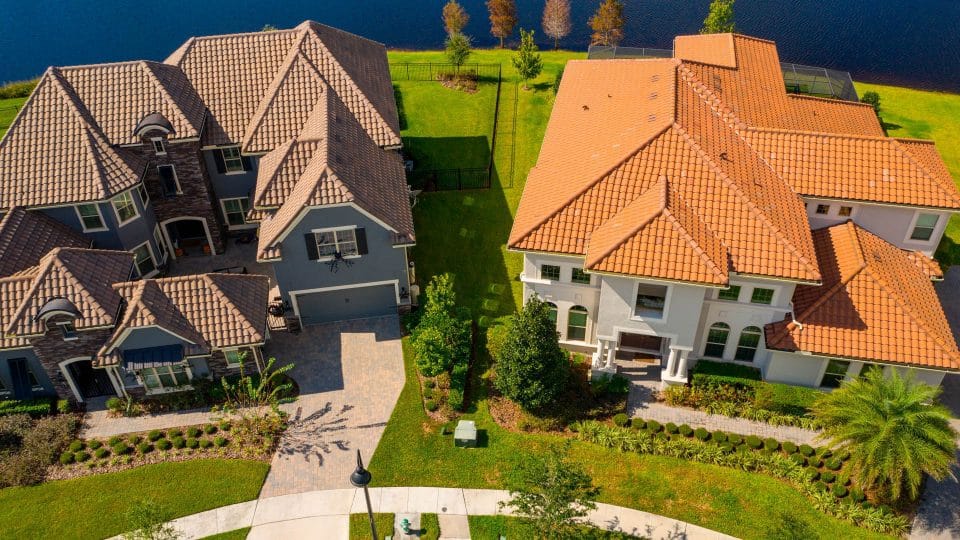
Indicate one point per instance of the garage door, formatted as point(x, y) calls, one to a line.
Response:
point(346, 304)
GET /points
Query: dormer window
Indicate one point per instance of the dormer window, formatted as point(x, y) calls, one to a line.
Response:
point(232, 160)
point(69, 330)
point(159, 147)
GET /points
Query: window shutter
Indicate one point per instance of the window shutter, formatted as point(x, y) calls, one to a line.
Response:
point(311, 241)
point(218, 159)
point(247, 163)
point(361, 240)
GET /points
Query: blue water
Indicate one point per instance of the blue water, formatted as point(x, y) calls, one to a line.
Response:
point(908, 42)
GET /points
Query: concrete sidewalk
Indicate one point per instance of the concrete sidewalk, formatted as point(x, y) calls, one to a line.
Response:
point(304, 514)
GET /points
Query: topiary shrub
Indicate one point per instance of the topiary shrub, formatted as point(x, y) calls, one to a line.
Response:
point(621, 419)
point(116, 439)
point(144, 448)
point(789, 447)
point(701, 434)
point(66, 458)
point(653, 426)
point(193, 443)
point(637, 424)
point(828, 477)
point(726, 448)
point(798, 459)
point(164, 444)
point(843, 455)
point(834, 464)
point(220, 441)
point(857, 495)
point(120, 449)
point(429, 383)
point(754, 442)
point(101, 453)
point(136, 440)
point(718, 437)
point(840, 491)
point(174, 433)
point(431, 405)
point(815, 462)
point(843, 479)
point(209, 429)
point(76, 446)
point(206, 443)
point(735, 439)
point(771, 444)
point(685, 430)
point(824, 452)
point(812, 473)
point(94, 444)
point(820, 486)
point(806, 450)
point(193, 432)
point(179, 442)
point(80, 457)
point(225, 425)
point(671, 428)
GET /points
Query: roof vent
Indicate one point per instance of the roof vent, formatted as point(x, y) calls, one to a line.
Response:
point(586, 108)
point(57, 305)
point(723, 156)
point(653, 96)
point(652, 118)
point(654, 78)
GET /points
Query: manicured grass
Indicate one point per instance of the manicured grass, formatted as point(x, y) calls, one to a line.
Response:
point(926, 115)
point(239, 534)
point(360, 525)
point(429, 527)
point(8, 111)
point(96, 506)
point(511, 527)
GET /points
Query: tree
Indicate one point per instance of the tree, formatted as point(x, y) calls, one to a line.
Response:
point(720, 18)
point(455, 18)
point(527, 61)
point(532, 369)
point(503, 17)
point(873, 99)
point(556, 20)
point(607, 23)
point(894, 430)
point(441, 337)
point(554, 493)
point(458, 49)
point(268, 28)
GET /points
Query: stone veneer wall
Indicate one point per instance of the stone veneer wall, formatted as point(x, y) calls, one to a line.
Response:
point(217, 364)
point(51, 349)
point(197, 199)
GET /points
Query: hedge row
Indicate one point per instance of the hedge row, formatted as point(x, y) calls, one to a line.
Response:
point(17, 89)
point(34, 407)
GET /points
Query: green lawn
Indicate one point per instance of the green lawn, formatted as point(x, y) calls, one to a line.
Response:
point(360, 525)
point(8, 111)
point(491, 527)
point(96, 506)
point(926, 115)
point(239, 534)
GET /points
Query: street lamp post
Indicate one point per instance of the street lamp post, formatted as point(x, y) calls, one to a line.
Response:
point(361, 478)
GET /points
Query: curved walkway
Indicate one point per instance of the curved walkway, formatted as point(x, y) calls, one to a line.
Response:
point(303, 515)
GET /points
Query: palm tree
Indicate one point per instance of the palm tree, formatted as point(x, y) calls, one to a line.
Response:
point(893, 428)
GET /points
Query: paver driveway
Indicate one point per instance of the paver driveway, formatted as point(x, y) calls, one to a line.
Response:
point(350, 376)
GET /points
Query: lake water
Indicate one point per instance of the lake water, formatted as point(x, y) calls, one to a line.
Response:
point(907, 42)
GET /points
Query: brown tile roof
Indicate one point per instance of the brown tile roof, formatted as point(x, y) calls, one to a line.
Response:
point(55, 153)
point(211, 311)
point(25, 237)
point(876, 304)
point(850, 167)
point(261, 87)
point(13, 291)
point(332, 161)
point(82, 276)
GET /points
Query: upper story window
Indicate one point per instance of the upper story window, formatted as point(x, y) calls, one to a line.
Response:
point(845, 211)
point(168, 180)
point(835, 373)
point(235, 210)
point(144, 196)
point(762, 296)
point(732, 293)
point(550, 271)
point(90, 217)
point(143, 260)
point(651, 301)
point(69, 330)
point(924, 226)
point(231, 158)
point(161, 247)
point(325, 244)
point(125, 208)
point(234, 357)
point(823, 209)
point(159, 147)
point(579, 276)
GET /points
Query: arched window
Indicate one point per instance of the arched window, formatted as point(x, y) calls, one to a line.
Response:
point(747, 346)
point(717, 340)
point(552, 311)
point(577, 323)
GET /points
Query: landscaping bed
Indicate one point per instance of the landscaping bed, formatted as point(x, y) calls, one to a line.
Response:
point(514, 527)
point(28, 446)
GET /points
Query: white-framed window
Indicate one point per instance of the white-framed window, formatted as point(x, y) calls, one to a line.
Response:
point(550, 272)
point(164, 377)
point(651, 301)
point(161, 247)
point(748, 344)
point(144, 260)
point(717, 340)
point(69, 330)
point(158, 146)
point(34, 381)
point(144, 196)
point(835, 373)
point(923, 227)
point(761, 295)
point(845, 211)
point(552, 312)
point(234, 357)
point(232, 160)
point(333, 241)
point(235, 211)
point(578, 275)
point(823, 209)
point(125, 208)
point(731, 293)
point(577, 324)
point(90, 217)
point(169, 181)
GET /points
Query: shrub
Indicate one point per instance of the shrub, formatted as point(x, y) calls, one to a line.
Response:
point(621, 419)
point(154, 435)
point(798, 459)
point(431, 405)
point(701, 434)
point(653, 426)
point(556, 81)
point(80, 457)
point(144, 448)
point(726, 448)
point(873, 99)
point(429, 383)
point(225, 425)
point(220, 441)
point(843, 455)
point(116, 404)
point(806, 450)
point(609, 385)
point(789, 447)
point(812, 473)
point(771, 444)
point(164, 444)
point(77, 446)
point(94, 444)
point(820, 486)
point(116, 439)
point(34, 407)
point(427, 393)
point(209, 429)
point(671, 428)
point(637, 424)
point(834, 464)
point(17, 89)
point(686, 430)
point(857, 495)
point(179, 442)
point(101, 453)
point(815, 462)
point(193, 443)
point(174, 433)
point(828, 477)
point(458, 384)
point(735, 439)
point(441, 338)
point(64, 407)
point(843, 479)
point(136, 440)
point(206, 443)
point(193, 432)
point(823, 452)
point(840, 491)
point(66, 458)
point(120, 449)
point(754, 442)
point(708, 373)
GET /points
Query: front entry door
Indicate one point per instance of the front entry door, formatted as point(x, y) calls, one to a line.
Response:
point(90, 382)
point(19, 372)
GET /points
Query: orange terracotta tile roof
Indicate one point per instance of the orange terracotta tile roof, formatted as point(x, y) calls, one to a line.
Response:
point(332, 161)
point(876, 304)
point(211, 311)
point(82, 276)
point(849, 167)
point(928, 266)
point(25, 237)
point(260, 87)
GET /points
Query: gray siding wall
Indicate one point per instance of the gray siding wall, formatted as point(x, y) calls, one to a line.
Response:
point(129, 236)
point(226, 186)
point(35, 366)
point(143, 338)
point(383, 262)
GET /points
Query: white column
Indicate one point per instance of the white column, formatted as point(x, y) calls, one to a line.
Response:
point(682, 365)
point(611, 354)
point(672, 362)
point(598, 356)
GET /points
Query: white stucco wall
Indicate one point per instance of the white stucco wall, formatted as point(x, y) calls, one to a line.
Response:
point(892, 223)
point(563, 293)
point(681, 316)
point(793, 368)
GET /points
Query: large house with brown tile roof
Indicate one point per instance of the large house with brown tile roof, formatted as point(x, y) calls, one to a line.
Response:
point(690, 208)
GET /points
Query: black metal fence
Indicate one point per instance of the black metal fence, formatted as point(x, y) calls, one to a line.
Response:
point(431, 71)
point(450, 179)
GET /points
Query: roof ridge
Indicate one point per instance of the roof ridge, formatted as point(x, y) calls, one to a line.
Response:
point(824, 134)
point(842, 282)
point(149, 68)
point(226, 301)
point(951, 193)
point(675, 218)
point(841, 102)
point(662, 202)
point(243, 34)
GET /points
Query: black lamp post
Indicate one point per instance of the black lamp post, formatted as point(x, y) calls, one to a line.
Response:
point(361, 478)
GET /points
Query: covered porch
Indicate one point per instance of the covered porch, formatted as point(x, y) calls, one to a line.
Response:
point(657, 354)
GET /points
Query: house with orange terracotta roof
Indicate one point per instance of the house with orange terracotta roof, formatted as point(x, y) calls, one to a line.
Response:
point(690, 208)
